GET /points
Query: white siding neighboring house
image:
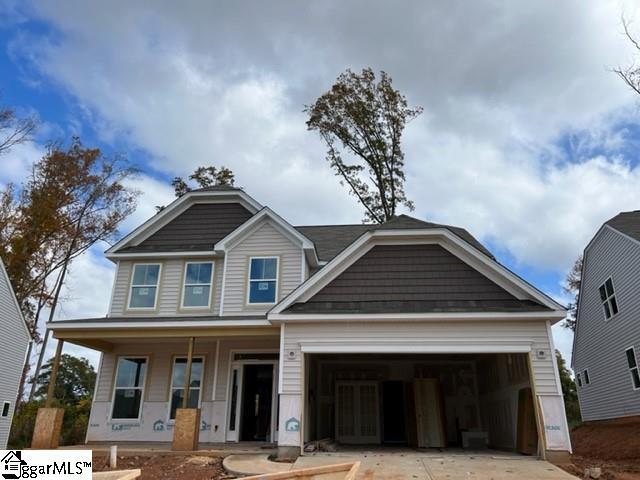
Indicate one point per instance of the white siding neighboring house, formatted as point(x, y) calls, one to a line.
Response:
point(606, 352)
point(14, 342)
point(310, 332)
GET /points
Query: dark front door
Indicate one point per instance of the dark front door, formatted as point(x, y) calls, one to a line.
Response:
point(256, 402)
point(393, 412)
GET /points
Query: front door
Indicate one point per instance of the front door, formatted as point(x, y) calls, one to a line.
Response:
point(257, 401)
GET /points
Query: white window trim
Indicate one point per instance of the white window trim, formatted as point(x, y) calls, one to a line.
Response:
point(587, 377)
point(608, 300)
point(629, 369)
point(171, 421)
point(157, 287)
point(185, 285)
point(4, 404)
point(249, 303)
point(142, 388)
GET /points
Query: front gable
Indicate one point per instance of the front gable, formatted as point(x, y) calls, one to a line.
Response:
point(414, 273)
point(411, 279)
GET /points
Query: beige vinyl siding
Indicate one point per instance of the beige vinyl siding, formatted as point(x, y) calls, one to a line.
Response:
point(13, 345)
point(170, 288)
point(481, 334)
point(600, 345)
point(158, 368)
point(266, 240)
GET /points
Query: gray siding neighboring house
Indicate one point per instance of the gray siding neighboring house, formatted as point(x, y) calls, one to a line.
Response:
point(14, 342)
point(608, 389)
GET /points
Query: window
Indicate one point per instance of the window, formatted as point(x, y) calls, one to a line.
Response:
point(144, 285)
point(263, 280)
point(608, 298)
point(197, 285)
point(5, 409)
point(633, 367)
point(129, 387)
point(177, 384)
point(586, 377)
point(579, 379)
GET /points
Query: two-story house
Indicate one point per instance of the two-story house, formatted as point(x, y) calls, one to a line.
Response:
point(14, 344)
point(403, 333)
point(606, 349)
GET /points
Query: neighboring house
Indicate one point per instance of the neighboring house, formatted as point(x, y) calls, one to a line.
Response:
point(14, 342)
point(606, 349)
point(407, 332)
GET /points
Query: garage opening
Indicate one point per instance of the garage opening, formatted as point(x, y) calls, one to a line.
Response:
point(471, 401)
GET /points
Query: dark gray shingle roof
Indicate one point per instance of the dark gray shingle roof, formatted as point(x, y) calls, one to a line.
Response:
point(332, 239)
point(627, 223)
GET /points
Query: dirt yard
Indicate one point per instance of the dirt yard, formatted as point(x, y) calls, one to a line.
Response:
point(612, 445)
point(168, 466)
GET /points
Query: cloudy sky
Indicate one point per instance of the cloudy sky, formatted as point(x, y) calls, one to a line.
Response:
point(527, 138)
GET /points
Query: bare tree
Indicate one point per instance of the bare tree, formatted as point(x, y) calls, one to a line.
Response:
point(14, 129)
point(631, 73)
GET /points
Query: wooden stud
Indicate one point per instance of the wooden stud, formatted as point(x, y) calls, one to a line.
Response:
point(187, 373)
point(54, 374)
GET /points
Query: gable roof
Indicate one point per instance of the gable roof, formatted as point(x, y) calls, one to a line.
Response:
point(330, 240)
point(412, 278)
point(219, 195)
point(627, 223)
point(497, 273)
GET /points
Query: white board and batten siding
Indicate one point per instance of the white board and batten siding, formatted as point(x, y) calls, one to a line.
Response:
point(170, 287)
point(424, 337)
point(264, 241)
point(14, 342)
point(600, 345)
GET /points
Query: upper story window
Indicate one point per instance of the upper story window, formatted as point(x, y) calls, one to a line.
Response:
point(608, 298)
point(579, 380)
point(197, 285)
point(129, 388)
point(587, 381)
point(263, 280)
point(144, 285)
point(177, 384)
point(633, 367)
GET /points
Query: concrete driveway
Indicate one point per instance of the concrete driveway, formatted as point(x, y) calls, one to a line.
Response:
point(416, 465)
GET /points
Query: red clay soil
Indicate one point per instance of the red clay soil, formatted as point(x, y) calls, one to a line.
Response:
point(612, 445)
point(169, 467)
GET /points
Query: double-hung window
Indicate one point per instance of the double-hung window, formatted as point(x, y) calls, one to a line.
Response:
point(144, 285)
point(633, 367)
point(129, 388)
point(587, 380)
point(579, 380)
point(608, 299)
point(197, 285)
point(177, 384)
point(263, 280)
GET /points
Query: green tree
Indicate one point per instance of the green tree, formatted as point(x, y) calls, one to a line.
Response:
point(572, 287)
point(569, 392)
point(75, 380)
point(73, 392)
point(204, 177)
point(365, 119)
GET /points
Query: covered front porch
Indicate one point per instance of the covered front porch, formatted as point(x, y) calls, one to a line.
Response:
point(142, 380)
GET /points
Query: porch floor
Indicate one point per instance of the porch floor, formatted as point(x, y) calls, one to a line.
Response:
point(164, 448)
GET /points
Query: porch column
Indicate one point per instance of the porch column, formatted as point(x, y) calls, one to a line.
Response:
point(186, 430)
point(46, 433)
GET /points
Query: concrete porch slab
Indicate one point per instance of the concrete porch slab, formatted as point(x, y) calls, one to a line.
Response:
point(117, 475)
point(253, 464)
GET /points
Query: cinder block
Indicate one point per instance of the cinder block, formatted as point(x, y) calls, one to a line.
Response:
point(46, 433)
point(186, 430)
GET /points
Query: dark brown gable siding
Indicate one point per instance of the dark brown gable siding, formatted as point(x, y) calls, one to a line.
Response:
point(197, 228)
point(411, 279)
